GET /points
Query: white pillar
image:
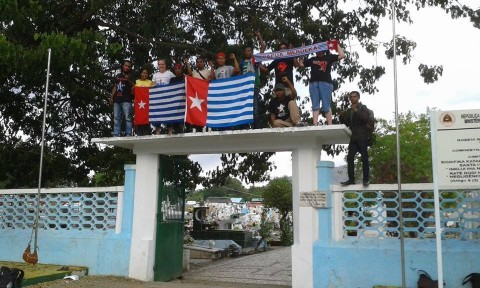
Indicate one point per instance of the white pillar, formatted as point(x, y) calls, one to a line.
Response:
point(305, 219)
point(142, 249)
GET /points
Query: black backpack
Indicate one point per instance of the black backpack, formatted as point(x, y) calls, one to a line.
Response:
point(370, 127)
point(474, 279)
point(11, 277)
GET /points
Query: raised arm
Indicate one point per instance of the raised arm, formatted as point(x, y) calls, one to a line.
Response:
point(341, 54)
point(260, 40)
point(188, 66)
point(212, 71)
point(301, 60)
point(291, 87)
point(236, 67)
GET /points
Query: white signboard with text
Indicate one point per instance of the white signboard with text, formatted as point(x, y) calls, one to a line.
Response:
point(457, 136)
point(314, 199)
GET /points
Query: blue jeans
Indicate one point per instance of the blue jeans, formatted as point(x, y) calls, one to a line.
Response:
point(321, 91)
point(121, 111)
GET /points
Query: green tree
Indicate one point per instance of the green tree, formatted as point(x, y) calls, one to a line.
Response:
point(265, 231)
point(278, 195)
point(89, 39)
point(415, 150)
point(233, 188)
point(255, 192)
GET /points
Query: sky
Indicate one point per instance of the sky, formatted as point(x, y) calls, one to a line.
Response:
point(455, 44)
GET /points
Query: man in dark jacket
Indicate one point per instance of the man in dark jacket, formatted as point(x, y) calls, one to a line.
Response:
point(356, 118)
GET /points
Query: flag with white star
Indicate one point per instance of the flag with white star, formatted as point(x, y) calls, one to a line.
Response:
point(157, 105)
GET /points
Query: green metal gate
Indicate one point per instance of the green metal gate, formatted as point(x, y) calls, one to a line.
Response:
point(170, 221)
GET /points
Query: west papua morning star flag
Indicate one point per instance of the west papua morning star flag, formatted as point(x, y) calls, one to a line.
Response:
point(160, 104)
point(196, 101)
point(220, 103)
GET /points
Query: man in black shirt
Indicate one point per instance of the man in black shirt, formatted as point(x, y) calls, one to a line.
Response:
point(321, 86)
point(122, 98)
point(356, 118)
point(178, 71)
point(283, 67)
point(283, 109)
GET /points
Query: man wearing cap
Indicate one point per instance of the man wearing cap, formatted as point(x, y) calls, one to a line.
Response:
point(226, 71)
point(283, 109)
point(178, 72)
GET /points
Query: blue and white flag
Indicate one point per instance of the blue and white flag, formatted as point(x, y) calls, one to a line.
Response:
point(167, 103)
point(230, 101)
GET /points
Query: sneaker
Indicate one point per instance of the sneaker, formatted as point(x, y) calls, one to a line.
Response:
point(366, 183)
point(301, 124)
point(348, 182)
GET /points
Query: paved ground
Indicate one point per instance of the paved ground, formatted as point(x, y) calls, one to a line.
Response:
point(271, 267)
point(261, 270)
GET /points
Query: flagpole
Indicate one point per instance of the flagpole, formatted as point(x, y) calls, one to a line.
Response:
point(436, 196)
point(399, 177)
point(37, 215)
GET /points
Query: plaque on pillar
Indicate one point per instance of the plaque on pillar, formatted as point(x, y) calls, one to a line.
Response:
point(315, 199)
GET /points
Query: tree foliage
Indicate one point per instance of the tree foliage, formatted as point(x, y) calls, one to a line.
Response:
point(415, 150)
point(278, 195)
point(90, 38)
point(232, 188)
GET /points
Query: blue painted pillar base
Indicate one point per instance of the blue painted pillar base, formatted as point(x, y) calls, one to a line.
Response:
point(325, 176)
point(128, 199)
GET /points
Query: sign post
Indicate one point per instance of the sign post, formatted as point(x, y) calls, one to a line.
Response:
point(455, 158)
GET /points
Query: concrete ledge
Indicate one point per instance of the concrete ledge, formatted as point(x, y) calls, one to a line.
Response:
point(234, 141)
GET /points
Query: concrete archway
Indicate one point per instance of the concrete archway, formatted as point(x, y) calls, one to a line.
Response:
point(305, 143)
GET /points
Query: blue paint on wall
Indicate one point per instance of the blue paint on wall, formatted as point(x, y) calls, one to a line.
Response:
point(325, 175)
point(128, 199)
point(103, 252)
point(368, 262)
point(364, 263)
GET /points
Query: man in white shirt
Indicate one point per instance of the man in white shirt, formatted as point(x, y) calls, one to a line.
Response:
point(200, 71)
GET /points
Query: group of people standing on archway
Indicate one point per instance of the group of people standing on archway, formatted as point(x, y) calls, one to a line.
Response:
point(282, 108)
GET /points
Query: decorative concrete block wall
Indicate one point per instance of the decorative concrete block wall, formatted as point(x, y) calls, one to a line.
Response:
point(358, 243)
point(78, 226)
